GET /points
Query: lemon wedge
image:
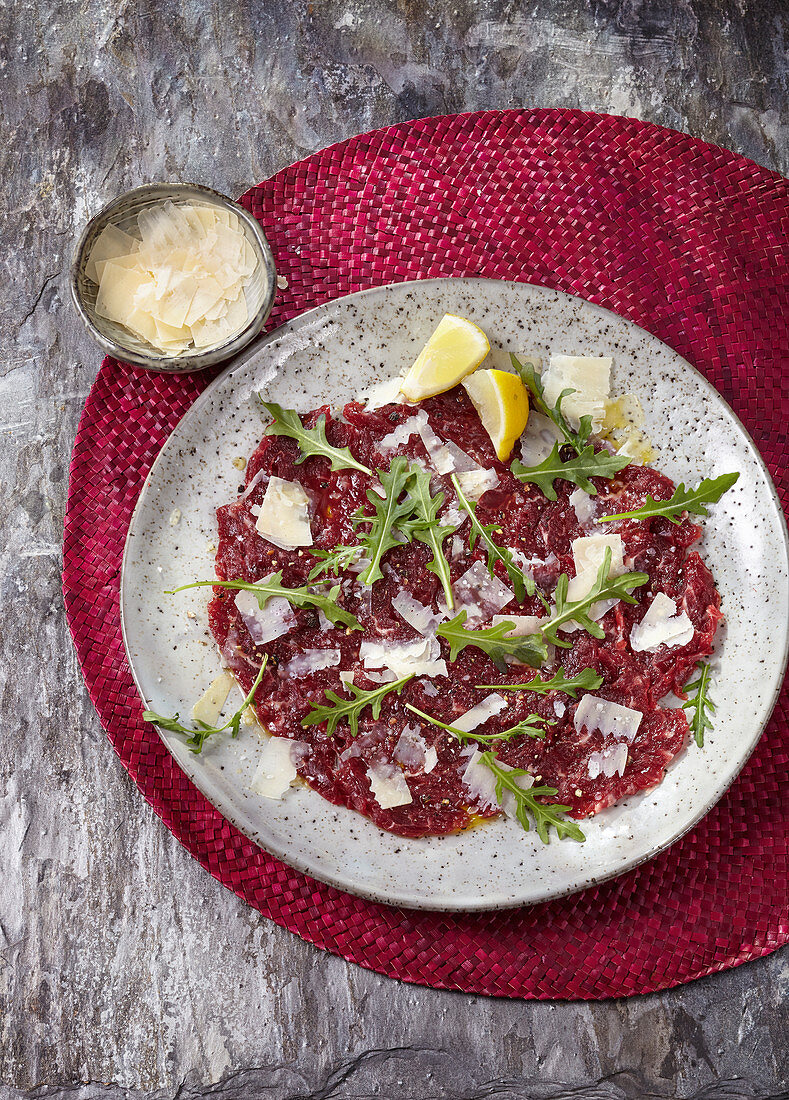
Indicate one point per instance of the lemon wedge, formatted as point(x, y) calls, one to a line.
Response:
point(502, 402)
point(455, 349)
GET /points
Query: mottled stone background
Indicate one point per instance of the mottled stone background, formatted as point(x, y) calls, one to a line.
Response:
point(125, 970)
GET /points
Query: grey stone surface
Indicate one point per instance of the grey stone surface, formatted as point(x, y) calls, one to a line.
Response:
point(125, 970)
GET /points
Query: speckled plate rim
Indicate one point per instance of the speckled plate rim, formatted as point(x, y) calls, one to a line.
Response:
point(406, 899)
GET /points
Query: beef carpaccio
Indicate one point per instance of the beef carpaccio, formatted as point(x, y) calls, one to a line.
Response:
point(541, 532)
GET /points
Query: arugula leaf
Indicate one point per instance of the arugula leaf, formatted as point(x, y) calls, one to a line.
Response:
point(299, 597)
point(494, 641)
point(531, 379)
point(528, 726)
point(334, 561)
point(700, 704)
point(605, 587)
point(389, 511)
point(587, 463)
point(520, 581)
point(198, 737)
point(428, 530)
point(709, 491)
point(586, 680)
point(349, 710)
point(311, 441)
point(545, 815)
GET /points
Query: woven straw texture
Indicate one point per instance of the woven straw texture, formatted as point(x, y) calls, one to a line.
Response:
point(679, 236)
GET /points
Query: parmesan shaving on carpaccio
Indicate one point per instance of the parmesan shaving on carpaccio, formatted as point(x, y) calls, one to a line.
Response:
point(538, 440)
point(479, 594)
point(266, 624)
point(490, 706)
point(481, 783)
point(583, 506)
point(412, 752)
point(523, 625)
point(661, 626)
point(284, 516)
point(588, 555)
point(611, 719)
point(178, 285)
point(423, 619)
point(608, 762)
point(311, 660)
point(475, 483)
point(420, 658)
point(389, 786)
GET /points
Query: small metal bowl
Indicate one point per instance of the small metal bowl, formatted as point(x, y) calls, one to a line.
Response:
point(122, 344)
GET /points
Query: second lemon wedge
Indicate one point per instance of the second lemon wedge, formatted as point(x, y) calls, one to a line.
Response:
point(502, 401)
point(455, 349)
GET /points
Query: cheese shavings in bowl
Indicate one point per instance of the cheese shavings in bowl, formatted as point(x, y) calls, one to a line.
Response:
point(175, 276)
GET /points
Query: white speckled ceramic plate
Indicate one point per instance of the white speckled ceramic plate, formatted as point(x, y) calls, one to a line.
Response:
point(327, 356)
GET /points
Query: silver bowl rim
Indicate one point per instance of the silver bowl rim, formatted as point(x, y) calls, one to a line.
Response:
point(184, 364)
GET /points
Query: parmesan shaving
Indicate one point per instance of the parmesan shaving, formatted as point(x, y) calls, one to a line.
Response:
point(209, 706)
point(479, 594)
point(388, 786)
point(523, 624)
point(178, 285)
point(274, 620)
point(661, 626)
point(608, 761)
point(311, 660)
point(475, 483)
point(276, 768)
point(490, 706)
point(583, 506)
point(481, 783)
point(284, 517)
point(419, 658)
point(589, 376)
point(423, 619)
point(611, 719)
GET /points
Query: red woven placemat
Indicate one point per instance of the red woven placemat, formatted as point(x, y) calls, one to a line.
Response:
point(682, 237)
